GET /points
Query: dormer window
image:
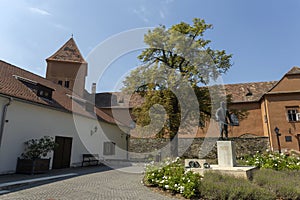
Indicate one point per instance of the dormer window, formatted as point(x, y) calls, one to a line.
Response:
point(249, 93)
point(39, 89)
point(44, 92)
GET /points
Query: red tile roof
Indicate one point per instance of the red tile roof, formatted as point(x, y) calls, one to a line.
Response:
point(11, 86)
point(69, 52)
point(241, 92)
point(248, 92)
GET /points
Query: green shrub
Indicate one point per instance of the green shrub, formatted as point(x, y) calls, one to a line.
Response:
point(171, 176)
point(285, 184)
point(267, 183)
point(273, 160)
point(219, 186)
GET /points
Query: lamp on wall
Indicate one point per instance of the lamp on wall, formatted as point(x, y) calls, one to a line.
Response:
point(277, 136)
point(94, 130)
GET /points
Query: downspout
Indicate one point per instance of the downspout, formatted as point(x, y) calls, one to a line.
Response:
point(3, 119)
point(268, 123)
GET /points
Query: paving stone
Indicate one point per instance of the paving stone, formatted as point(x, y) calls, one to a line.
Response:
point(112, 184)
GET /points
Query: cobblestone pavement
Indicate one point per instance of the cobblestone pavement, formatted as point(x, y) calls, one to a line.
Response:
point(113, 184)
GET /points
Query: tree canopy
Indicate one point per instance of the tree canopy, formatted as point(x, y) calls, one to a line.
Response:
point(177, 61)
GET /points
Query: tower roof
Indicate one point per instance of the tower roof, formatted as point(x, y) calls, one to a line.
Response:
point(294, 70)
point(69, 52)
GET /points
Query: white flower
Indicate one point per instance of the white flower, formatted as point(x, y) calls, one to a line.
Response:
point(181, 188)
point(167, 186)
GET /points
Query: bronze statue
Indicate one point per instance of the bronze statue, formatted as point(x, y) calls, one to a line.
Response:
point(222, 116)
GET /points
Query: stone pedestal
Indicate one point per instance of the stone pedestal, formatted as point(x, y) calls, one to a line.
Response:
point(227, 162)
point(226, 154)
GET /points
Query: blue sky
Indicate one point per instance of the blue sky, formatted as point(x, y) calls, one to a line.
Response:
point(263, 36)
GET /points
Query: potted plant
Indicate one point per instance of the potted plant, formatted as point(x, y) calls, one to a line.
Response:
point(32, 161)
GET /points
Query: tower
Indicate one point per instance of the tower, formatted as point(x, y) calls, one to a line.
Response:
point(68, 68)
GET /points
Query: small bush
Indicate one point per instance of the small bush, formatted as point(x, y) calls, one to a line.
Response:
point(171, 176)
point(285, 184)
point(219, 186)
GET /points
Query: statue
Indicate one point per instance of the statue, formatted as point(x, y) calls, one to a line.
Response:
point(222, 116)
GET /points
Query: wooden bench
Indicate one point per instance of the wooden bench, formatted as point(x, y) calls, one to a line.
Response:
point(91, 159)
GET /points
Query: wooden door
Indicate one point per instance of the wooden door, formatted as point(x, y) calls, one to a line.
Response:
point(62, 154)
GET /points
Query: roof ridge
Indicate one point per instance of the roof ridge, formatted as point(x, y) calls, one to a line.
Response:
point(250, 83)
point(38, 76)
point(12, 65)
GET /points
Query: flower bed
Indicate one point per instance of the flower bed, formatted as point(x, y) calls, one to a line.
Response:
point(267, 183)
point(271, 160)
point(170, 175)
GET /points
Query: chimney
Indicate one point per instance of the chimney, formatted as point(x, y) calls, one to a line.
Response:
point(93, 88)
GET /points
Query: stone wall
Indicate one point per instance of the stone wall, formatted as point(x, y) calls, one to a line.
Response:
point(144, 148)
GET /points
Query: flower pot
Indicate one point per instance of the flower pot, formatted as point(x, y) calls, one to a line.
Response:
point(36, 166)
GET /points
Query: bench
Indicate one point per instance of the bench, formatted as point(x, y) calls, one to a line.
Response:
point(91, 159)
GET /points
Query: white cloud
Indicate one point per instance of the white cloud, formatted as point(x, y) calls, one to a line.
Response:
point(142, 13)
point(162, 14)
point(38, 11)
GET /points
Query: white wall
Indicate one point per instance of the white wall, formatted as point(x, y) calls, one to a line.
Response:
point(28, 121)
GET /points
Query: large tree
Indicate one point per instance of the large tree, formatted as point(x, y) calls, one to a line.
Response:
point(176, 62)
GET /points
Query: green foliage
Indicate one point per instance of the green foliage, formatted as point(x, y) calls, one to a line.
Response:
point(177, 61)
point(273, 160)
point(267, 184)
point(171, 176)
point(285, 184)
point(222, 187)
point(37, 148)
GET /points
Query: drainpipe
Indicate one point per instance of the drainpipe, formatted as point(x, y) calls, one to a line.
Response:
point(4, 111)
point(268, 123)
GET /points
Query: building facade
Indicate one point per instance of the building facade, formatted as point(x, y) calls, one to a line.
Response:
point(266, 105)
point(32, 107)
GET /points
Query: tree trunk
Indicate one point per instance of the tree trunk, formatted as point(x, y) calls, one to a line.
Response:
point(174, 117)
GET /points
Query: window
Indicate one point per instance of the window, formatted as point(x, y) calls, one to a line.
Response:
point(60, 82)
point(109, 148)
point(291, 114)
point(67, 84)
point(288, 138)
point(234, 120)
point(39, 89)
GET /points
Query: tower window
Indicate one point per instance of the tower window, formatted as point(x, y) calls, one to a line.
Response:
point(60, 82)
point(67, 84)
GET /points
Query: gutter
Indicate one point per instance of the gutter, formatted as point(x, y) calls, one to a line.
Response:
point(3, 119)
